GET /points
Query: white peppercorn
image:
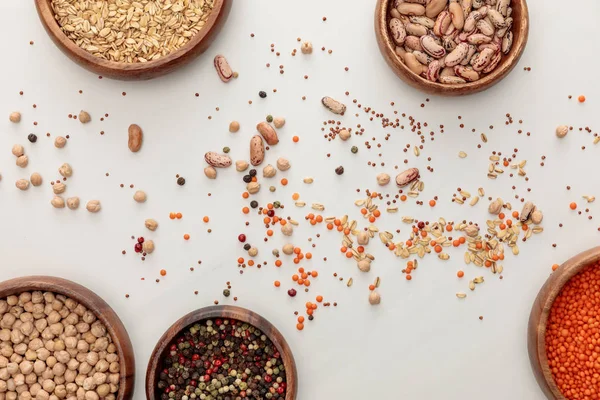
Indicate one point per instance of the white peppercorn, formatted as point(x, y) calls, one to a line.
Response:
point(15, 117)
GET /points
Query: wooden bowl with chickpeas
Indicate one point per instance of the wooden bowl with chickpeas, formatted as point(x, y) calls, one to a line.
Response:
point(46, 309)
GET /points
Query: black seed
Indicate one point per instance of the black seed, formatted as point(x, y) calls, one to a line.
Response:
point(247, 247)
point(32, 137)
point(254, 204)
point(252, 172)
point(339, 170)
point(262, 94)
point(247, 178)
point(181, 181)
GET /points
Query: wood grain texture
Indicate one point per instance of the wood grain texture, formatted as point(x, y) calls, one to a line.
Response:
point(538, 319)
point(387, 47)
point(238, 313)
point(135, 71)
point(92, 302)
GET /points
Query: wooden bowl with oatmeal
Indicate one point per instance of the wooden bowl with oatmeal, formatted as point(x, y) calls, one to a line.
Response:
point(233, 327)
point(452, 47)
point(84, 335)
point(132, 42)
point(541, 320)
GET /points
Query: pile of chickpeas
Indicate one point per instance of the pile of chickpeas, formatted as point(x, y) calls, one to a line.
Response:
point(53, 348)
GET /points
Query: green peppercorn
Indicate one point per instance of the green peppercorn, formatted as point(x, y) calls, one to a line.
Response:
point(354, 149)
point(272, 188)
point(276, 204)
point(226, 149)
point(226, 292)
point(269, 118)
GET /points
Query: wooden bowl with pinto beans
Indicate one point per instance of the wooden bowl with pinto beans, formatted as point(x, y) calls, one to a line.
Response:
point(138, 70)
point(429, 78)
point(92, 302)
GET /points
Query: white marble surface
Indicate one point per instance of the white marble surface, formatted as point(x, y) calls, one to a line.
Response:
point(421, 342)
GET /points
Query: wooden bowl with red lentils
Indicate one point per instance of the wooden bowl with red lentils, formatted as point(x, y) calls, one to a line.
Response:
point(564, 330)
point(224, 352)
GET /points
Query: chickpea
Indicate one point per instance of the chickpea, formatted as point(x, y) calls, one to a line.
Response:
point(89, 317)
point(5, 335)
point(71, 304)
point(15, 358)
point(26, 316)
point(112, 348)
point(114, 379)
point(57, 305)
point(114, 367)
point(59, 369)
point(30, 355)
point(31, 379)
point(91, 395)
point(80, 310)
point(79, 380)
point(28, 307)
point(100, 345)
point(102, 366)
point(51, 361)
point(60, 391)
point(43, 354)
point(26, 367)
point(54, 317)
point(64, 312)
point(42, 395)
point(40, 324)
point(48, 374)
point(98, 329)
point(92, 358)
point(3, 306)
point(88, 337)
point(71, 388)
point(57, 329)
point(83, 346)
point(12, 300)
point(4, 374)
point(47, 334)
point(3, 386)
point(10, 385)
point(49, 297)
point(25, 395)
point(39, 367)
point(48, 309)
point(7, 321)
point(37, 297)
point(6, 349)
point(19, 380)
point(71, 342)
point(89, 384)
point(48, 385)
point(85, 368)
point(72, 319)
point(62, 357)
point(59, 345)
point(26, 328)
point(70, 376)
point(72, 352)
point(103, 390)
point(82, 327)
point(20, 349)
point(3, 362)
point(59, 380)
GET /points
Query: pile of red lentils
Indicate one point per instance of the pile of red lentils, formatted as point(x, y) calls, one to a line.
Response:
point(573, 336)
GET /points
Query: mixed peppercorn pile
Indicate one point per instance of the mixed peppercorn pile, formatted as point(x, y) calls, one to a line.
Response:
point(224, 359)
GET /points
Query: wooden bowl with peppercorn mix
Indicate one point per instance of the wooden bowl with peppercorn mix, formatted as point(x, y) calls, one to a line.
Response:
point(183, 360)
point(82, 301)
point(132, 46)
point(387, 46)
point(579, 275)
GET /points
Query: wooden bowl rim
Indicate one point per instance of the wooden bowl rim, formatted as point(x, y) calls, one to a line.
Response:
point(224, 311)
point(67, 45)
point(92, 302)
point(387, 47)
point(544, 301)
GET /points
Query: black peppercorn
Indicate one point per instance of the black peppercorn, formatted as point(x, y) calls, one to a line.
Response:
point(181, 181)
point(339, 170)
point(254, 204)
point(262, 94)
point(247, 247)
point(310, 317)
point(252, 172)
point(32, 137)
point(247, 178)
